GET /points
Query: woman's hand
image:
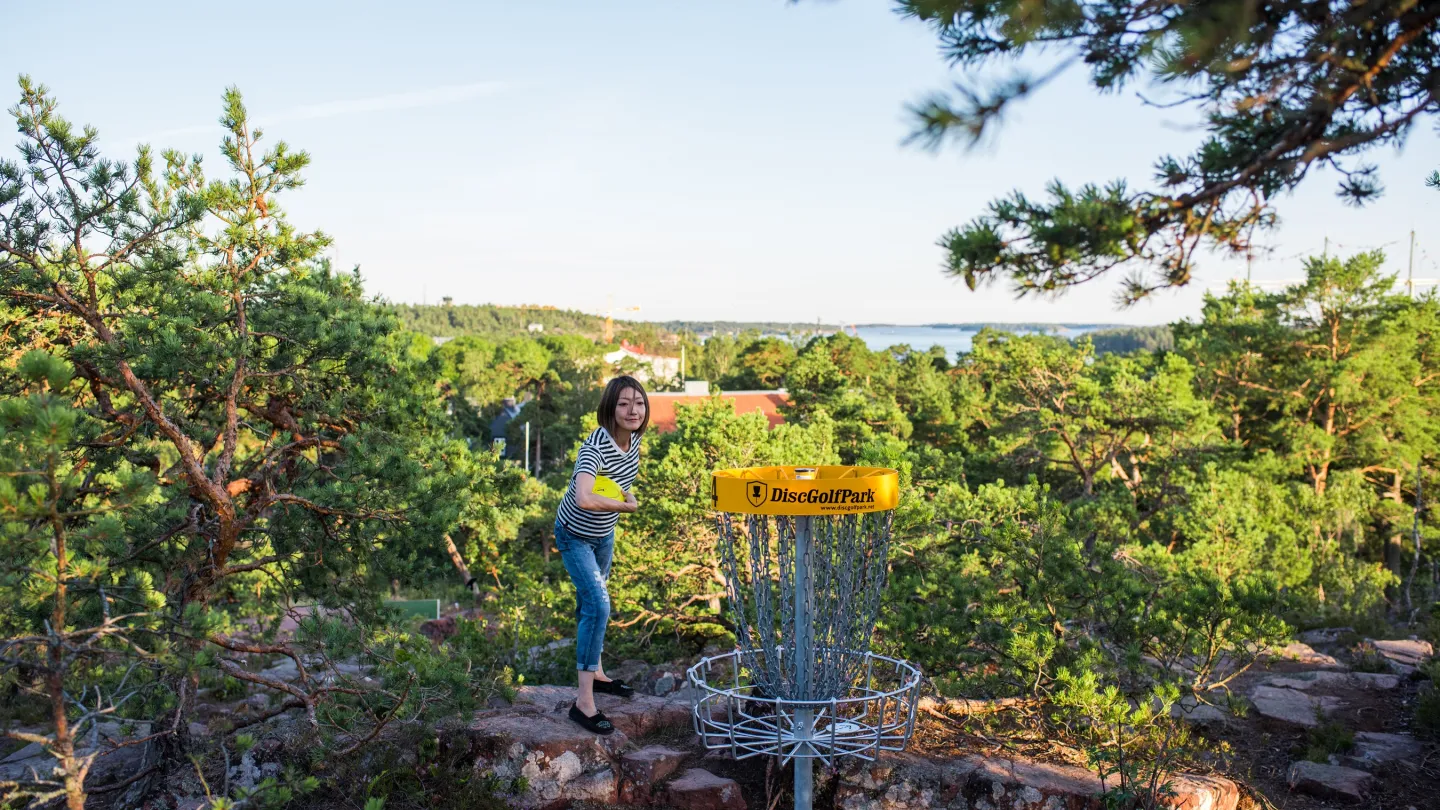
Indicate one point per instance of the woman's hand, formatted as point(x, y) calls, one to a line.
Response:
point(630, 503)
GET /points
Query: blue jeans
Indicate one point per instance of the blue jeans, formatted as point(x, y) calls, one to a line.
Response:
point(587, 560)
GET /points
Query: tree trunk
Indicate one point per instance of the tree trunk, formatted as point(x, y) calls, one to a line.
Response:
point(1394, 556)
point(1394, 544)
point(64, 747)
point(464, 569)
point(1419, 515)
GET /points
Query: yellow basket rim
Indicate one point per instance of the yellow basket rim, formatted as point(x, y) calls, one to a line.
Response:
point(823, 472)
point(833, 490)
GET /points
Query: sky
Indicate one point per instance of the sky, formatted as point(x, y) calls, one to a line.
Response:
point(706, 159)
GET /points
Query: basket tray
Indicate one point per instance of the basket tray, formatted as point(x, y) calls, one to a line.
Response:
point(875, 714)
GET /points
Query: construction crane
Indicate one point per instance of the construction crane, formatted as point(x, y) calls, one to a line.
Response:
point(609, 319)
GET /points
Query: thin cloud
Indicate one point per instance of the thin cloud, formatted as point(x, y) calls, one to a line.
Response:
point(434, 97)
point(414, 99)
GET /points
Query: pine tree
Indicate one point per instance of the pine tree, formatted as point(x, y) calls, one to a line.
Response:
point(1285, 86)
point(69, 611)
point(298, 440)
point(1054, 405)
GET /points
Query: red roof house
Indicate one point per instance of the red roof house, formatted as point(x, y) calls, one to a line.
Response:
point(662, 405)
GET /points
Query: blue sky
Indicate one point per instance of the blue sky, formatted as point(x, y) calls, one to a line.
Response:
point(721, 160)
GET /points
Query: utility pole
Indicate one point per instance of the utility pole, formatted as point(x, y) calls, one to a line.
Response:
point(1410, 274)
point(1415, 529)
point(682, 365)
point(527, 448)
point(1326, 254)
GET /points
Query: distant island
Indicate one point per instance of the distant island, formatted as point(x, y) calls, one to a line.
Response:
point(741, 327)
point(1027, 326)
point(493, 321)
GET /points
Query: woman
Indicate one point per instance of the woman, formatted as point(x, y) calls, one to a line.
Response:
point(585, 534)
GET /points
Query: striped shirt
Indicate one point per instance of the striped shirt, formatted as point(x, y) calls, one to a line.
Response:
point(599, 455)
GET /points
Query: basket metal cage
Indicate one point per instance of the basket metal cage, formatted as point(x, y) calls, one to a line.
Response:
point(742, 716)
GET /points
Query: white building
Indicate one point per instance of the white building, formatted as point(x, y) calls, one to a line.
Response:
point(653, 366)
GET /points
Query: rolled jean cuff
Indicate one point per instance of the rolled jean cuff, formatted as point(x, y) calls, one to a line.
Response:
point(583, 668)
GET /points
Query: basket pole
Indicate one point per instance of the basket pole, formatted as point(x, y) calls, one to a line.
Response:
point(804, 661)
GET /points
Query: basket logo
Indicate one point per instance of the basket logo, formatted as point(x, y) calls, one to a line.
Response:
point(755, 492)
point(823, 497)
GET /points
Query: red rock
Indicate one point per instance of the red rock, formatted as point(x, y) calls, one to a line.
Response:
point(631, 670)
point(547, 698)
point(636, 716)
point(437, 630)
point(1201, 714)
point(600, 786)
point(904, 780)
point(1024, 784)
point(549, 735)
point(651, 764)
point(1335, 680)
point(560, 762)
point(1325, 635)
point(563, 763)
point(1197, 792)
point(1373, 749)
point(911, 781)
point(1405, 656)
point(698, 789)
point(644, 770)
point(1330, 781)
point(1305, 654)
point(1292, 706)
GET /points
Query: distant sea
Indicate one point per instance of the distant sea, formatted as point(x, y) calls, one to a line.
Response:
point(955, 339)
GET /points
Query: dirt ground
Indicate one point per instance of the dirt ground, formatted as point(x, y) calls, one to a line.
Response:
point(1264, 749)
point(1256, 752)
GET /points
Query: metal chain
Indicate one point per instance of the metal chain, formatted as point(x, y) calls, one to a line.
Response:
point(847, 562)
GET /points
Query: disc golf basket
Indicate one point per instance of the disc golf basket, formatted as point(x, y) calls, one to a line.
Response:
point(803, 550)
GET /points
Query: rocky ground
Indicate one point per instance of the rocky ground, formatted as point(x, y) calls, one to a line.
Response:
point(652, 760)
point(1301, 696)
point(1307, 699)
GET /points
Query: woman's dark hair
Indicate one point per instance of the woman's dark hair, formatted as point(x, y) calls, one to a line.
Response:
point(610, 400)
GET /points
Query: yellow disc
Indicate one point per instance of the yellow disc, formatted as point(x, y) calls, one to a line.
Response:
point(804, 490)
point(606, 488)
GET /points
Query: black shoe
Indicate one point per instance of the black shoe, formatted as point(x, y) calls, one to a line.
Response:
point(615, 687)
point(596, 723)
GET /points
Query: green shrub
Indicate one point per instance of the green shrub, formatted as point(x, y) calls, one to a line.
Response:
point(1330, 737)
point(1427, 711)
point(1365, 658)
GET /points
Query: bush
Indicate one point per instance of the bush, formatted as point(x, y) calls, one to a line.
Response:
point(1427, 709)
point(1328, 738)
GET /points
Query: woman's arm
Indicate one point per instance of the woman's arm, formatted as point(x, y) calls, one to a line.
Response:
point(586, 498)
